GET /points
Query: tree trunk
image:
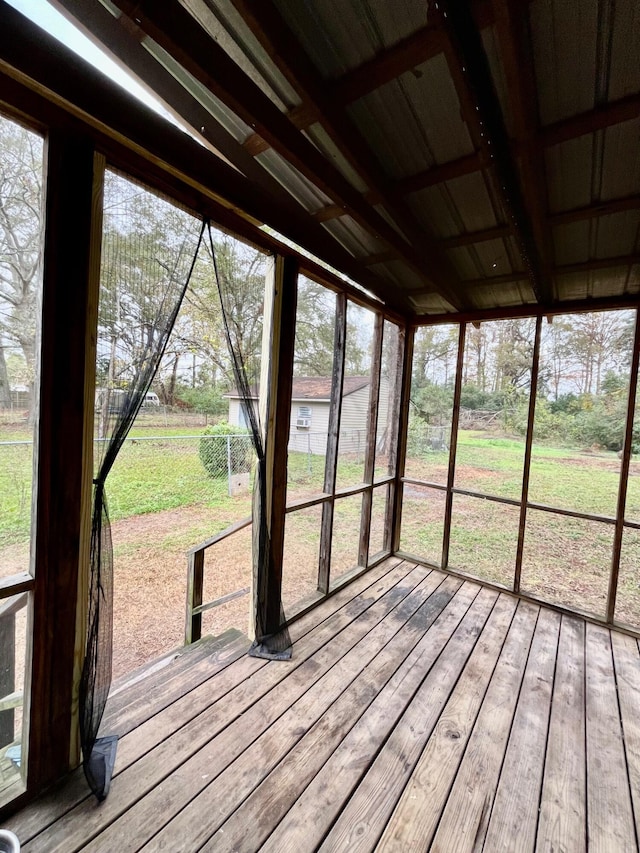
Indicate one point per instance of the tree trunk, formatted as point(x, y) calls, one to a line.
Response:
point(5, 390)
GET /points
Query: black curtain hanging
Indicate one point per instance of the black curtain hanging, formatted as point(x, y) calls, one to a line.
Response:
point(145, 271)
point(272, 641)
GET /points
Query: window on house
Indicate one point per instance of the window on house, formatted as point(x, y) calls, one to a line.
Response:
point(304, 412)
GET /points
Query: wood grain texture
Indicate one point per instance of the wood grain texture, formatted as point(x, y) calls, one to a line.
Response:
point(627, 669)
point(562, 824)
point(610, 816)
point(514, 816)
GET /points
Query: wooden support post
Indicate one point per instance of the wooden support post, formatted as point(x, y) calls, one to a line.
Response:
point(398, 439)
point(535, 370)
point(372, 431)
point(624, 475)
point(455, 418)
point(333, 437)
point(63, 449)
point(7, 672)
point(278, 348)
point(195, 583)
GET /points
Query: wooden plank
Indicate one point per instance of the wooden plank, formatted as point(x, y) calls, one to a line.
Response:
point(217, 736)
point(592, 211)
point(614, 112)
point(563, 820)
point(333, 438)
point(204, 750)
point(514, 817)
point(464, 821)
point(438, 659)
point(430, 733)
point(610, 814)
point(168, 715)
point(627, 670)
point(389, 680)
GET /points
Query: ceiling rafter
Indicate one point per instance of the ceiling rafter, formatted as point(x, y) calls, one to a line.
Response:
point(480, 107)
point(180, 35)
point(72, 81)
point(404, 56)
point(122, 37)
point(591, 265)
point(274, 34)
point(598, 208)
point(470, 237)
point(607, 115)
point(517, 59)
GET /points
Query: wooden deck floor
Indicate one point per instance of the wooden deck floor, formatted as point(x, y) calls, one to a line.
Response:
point(419, 712)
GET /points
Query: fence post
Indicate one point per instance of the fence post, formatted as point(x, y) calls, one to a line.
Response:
point(195, 582)
point(309, 466)
point(229, 464)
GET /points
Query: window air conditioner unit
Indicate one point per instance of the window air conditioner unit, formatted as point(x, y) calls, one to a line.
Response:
point(303, 423)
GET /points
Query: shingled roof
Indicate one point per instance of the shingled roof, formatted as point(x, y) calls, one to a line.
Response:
point(314, 387)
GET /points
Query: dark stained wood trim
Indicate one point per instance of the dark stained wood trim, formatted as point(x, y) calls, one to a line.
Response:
point(583, 266)
point(379, 258)
point(624, 474)
point(372, 431)
point(393, 522)
point(528, 447)
point(178, 33)
point(471, 74)
point(331, 211)
point(278, 426)
point(195, 584)
point(61, 451)
point(69, 92)
point(511, 26)
point(453, 444)
point(280, 42)
point(333, 437)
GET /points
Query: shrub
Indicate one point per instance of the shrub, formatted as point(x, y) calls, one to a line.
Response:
point(214, 451)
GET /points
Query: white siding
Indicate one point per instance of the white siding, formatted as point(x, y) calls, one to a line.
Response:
point(314, 439)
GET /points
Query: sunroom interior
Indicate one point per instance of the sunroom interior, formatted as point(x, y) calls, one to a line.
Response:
point(454, 189)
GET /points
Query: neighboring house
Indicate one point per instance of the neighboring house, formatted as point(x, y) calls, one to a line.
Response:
point(310, 402)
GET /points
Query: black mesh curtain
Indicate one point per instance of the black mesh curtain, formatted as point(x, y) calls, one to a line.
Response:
point(149, 250)
point(235, 289)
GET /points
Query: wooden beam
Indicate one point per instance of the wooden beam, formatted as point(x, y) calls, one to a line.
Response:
point(592, 211)
point(333, 438)
point(404, 56)
point(331, 211)
point(181, 36)
point(517, 59)
point(63, 449)
point(496, 233)
point(471, 74)
point(528, 448)
point(404, 370)
point(627, 449)
point(275, 416)
point(615, 112)
point(570, 306)
point(439, 174)
point(453, 445)
point(582, 266)
point(272, 31)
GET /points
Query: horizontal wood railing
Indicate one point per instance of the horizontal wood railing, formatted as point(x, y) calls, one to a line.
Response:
point(195, 582)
